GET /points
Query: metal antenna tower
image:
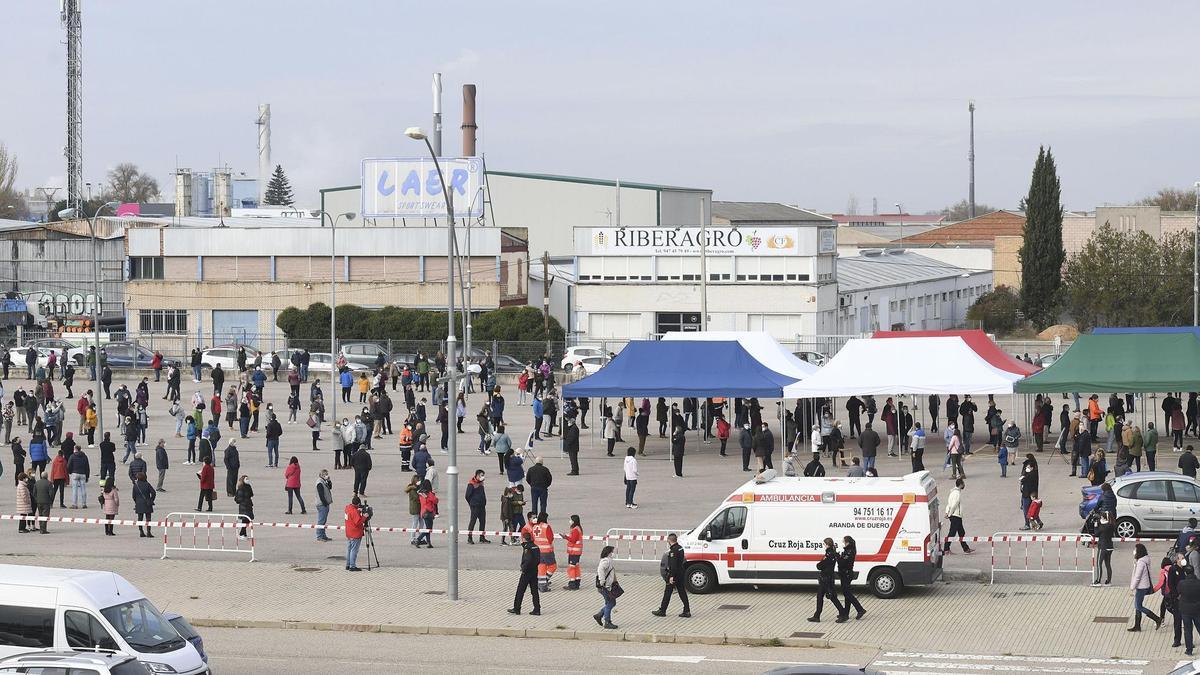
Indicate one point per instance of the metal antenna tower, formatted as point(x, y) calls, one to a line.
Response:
point(72, 21)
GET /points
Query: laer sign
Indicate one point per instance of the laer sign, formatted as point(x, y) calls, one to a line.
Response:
point(687, 241)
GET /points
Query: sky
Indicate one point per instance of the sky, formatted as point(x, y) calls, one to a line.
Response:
point(797, 102)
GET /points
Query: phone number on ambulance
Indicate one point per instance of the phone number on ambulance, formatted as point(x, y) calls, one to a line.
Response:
point(874, 510)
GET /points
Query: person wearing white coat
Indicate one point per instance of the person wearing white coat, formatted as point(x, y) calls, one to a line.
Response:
point(631, 477)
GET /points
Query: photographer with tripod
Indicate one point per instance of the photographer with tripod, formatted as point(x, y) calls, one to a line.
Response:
point(357, 518)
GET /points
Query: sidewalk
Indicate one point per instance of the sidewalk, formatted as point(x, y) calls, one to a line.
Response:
point(958, 616)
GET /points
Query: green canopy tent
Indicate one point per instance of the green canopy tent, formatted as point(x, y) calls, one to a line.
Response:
point(1124, 362)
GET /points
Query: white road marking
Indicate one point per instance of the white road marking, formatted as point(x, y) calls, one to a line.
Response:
point(705, 659)
point(1010, 657)
point(999, 668)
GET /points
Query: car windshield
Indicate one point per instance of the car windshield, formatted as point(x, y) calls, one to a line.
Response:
point(140, 624)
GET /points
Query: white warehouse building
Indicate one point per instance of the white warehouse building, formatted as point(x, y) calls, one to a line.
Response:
point(769, 267)
point(898, 290)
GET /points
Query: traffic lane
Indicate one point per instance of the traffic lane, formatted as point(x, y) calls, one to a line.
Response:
point(271, 651)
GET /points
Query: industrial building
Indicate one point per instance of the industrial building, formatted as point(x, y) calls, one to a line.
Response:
point(769, 267)
point(894, 289)
point(50, 265)
point(225, 280)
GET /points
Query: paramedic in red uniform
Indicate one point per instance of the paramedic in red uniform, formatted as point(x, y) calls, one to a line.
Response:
point(543, 537)
point(574, 553)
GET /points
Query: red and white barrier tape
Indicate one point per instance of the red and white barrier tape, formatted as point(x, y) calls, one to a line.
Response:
point(1024, 538)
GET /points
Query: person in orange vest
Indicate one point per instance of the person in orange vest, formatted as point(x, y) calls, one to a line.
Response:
point(543, 536)
point(574, 553)
point(406, 445)
point(1093, 416)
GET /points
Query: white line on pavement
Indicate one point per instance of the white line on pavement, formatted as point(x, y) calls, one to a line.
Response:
point(705, 659)
point(997, 668)
point(1009, 657)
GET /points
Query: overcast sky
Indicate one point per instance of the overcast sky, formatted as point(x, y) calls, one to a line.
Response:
point(803, 103)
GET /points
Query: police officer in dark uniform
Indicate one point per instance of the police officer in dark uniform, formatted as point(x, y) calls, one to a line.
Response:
point(826, 569)
point(530, 556)
point(673, 574)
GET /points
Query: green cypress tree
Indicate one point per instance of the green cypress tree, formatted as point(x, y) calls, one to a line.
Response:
point(1042, 253)
point(279, 190)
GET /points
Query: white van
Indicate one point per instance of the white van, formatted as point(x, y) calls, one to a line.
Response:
point(46, 607)
point(771, 532)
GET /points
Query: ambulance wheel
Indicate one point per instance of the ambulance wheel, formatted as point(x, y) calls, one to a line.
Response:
point(701, 578)
point(885, 582)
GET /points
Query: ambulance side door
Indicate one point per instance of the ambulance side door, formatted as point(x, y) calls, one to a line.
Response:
point(727, 539)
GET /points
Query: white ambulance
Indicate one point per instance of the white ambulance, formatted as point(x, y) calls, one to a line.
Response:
point(770, 532)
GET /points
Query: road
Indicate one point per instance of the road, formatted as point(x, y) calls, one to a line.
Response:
point(268, 652)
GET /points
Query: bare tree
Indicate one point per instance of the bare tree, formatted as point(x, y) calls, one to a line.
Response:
point(1170, 199)
point(12, 202)
point(128, 184)
point(852, 205)
point(961, 210)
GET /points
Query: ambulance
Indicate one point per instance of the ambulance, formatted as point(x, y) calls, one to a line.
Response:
point(770, 531)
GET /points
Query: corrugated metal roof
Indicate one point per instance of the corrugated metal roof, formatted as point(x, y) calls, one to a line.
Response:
point(595, 181)
point(862, 272)
point(202, 221)
point(765, 212)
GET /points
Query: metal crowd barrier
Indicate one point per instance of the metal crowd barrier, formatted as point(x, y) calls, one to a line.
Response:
point(208, 532)
point(638, 545)
point(1057, 553)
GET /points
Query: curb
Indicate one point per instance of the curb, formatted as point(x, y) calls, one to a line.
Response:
point(535, 633)
point(967, 575)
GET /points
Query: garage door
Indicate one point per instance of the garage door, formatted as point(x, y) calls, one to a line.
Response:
point(780, 326)
point(235, 325)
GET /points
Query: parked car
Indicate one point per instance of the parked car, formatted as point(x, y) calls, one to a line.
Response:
point(18, 356)
point(363, 353)
point(130, 355)
point(75, 351)
point(187, 632)
point(574, 354)
point(1158, 502)
point(1048, 360)
point(73, 662)
point(815, 358)
point(507, 364)
point(1187, 668)
point(226, 355)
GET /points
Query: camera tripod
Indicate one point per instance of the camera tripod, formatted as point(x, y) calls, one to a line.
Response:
point(369, 542)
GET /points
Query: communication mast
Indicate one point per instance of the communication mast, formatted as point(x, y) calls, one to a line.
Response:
point(72, 21)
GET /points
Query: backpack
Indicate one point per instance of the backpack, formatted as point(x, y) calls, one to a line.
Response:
point(664, 567)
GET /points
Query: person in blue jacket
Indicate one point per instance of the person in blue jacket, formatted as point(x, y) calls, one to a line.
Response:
point(345, 380)
point(420, 461)
point(538, 411)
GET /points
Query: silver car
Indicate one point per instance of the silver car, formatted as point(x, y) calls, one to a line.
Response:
point(1155, 502)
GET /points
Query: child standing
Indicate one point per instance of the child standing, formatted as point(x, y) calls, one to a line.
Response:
point(1034, 515)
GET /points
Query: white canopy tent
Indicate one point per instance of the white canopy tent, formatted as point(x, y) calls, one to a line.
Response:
point(917, 365)
point(764, 348)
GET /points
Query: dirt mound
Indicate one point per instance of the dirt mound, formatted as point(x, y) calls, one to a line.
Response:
point(1059, 331)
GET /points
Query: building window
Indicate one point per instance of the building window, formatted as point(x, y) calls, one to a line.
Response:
point(162, 320)
point(146, 268)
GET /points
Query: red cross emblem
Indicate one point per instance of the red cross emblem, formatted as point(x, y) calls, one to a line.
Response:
point(729, 556)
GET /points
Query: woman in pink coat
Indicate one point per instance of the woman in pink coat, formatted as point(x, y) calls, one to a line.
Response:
point(291, 477)
point(110, 502)
point(24, 501)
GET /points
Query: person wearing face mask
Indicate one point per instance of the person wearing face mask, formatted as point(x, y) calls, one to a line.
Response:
point(1174, 571)
point(746, 441)
point(1105, 530)
point(826, 570)
point(324, 500)
point(764, 447)
point(954, 513)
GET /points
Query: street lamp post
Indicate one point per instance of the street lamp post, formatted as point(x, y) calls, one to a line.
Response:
point(1196, 262)
point(416, 133)
point(91, 221)
point(703, 269)
point(333, 369)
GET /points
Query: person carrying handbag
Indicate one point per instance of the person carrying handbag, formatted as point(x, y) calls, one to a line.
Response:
point(609, 588)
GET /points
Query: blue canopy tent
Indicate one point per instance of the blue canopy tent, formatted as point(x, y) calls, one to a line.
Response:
point(1194, 330)
point(682, 368)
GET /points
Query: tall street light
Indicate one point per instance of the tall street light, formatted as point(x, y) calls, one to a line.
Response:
point(333, 369)
point(67, 214)
point(416, 133)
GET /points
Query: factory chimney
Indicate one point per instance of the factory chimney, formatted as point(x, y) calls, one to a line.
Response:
point(468, 121)
point(264, 150)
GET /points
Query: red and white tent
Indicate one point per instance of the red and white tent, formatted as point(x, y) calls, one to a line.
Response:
point(911, 364)
point(978, 341)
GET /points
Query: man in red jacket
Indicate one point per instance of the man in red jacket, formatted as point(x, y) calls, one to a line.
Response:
point(354, 533)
